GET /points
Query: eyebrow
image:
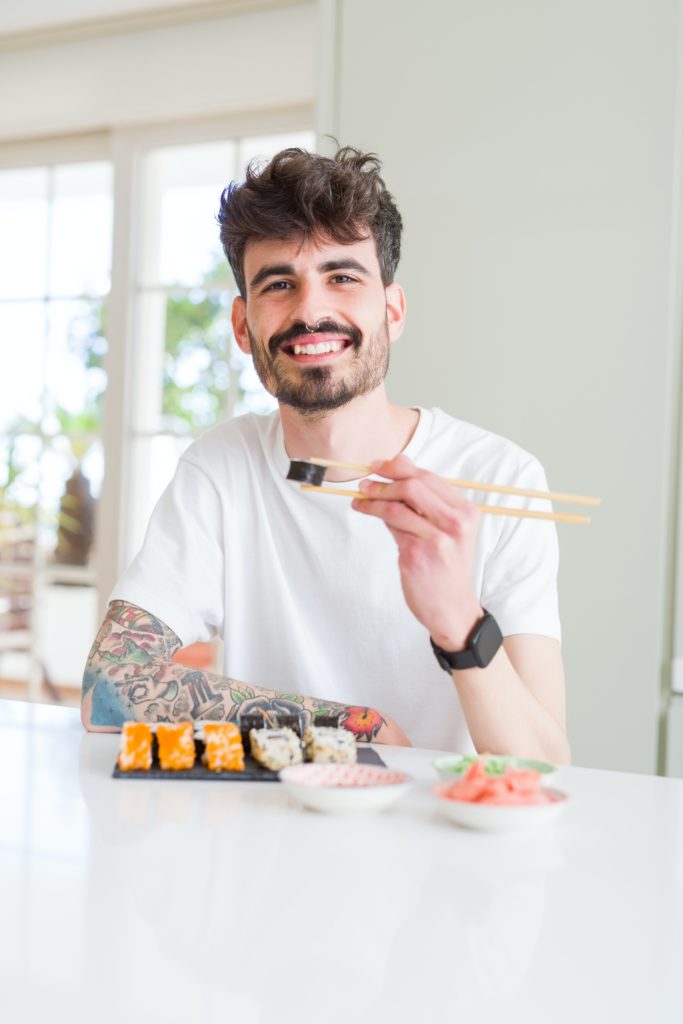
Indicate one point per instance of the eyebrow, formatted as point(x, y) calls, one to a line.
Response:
point(272, 270)
point(287, 269)
point(348, 263)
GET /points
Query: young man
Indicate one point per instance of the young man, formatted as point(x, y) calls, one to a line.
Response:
point(323, 602)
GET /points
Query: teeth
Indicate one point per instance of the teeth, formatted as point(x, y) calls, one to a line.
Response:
point(320, 348)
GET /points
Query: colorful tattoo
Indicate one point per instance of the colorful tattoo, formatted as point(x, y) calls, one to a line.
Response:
point(132, 676)
point(204, 700)
point(134, 618)
point(364, 723)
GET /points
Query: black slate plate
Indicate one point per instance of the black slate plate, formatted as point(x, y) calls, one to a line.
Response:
point(253, 772)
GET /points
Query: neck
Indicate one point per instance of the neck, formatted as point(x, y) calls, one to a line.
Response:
point(368, 428)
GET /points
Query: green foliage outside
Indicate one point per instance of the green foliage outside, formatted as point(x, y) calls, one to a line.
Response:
point(196, 374)
point(196, 362)
point(87, 341)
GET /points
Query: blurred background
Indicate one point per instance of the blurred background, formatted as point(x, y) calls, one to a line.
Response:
point(535, 151)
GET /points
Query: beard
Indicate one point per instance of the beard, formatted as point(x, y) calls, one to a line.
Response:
point(319, 389)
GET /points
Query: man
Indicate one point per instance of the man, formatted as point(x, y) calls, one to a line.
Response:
point(323, 603)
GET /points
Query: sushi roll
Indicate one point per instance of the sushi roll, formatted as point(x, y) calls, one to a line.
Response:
point(135, 751)
point(275, 748)
point(176, 746)
point(270, 720)
point(306, 473)
point(223, 750)
point(326, 745)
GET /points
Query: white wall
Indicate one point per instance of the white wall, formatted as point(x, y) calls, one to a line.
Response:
point(531, 146)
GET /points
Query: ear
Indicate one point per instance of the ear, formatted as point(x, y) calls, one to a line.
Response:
point(396, 310)
point(239, 324)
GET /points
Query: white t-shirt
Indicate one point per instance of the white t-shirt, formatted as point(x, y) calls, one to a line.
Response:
point(306, 593)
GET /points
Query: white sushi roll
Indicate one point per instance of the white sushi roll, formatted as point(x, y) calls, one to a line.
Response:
point(326, 745)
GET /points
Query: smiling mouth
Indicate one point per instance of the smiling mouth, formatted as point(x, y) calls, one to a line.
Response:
point(315, 348)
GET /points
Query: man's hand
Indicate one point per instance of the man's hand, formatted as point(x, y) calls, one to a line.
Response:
point(435, 529)
point(520, 710)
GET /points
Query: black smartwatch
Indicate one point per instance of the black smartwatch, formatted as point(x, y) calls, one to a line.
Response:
point(482, 645)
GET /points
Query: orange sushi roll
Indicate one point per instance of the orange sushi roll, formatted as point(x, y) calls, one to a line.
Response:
point(176, 746)
point(223, 750)
point(135, 753)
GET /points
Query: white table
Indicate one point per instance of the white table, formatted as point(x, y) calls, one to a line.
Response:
point(154, 901)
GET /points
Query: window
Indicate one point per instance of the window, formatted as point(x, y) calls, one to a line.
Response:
point(101, 390)
point(55, 267)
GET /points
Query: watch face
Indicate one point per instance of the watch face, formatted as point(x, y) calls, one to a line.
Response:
point(486, 641)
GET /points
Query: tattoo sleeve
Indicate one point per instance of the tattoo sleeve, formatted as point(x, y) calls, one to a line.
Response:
point(130, 675)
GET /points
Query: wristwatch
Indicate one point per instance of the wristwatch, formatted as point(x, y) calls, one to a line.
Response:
point(482, 645)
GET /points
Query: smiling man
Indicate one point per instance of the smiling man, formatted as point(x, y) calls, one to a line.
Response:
point(330, 606)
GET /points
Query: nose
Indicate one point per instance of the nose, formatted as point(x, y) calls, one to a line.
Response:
point(311, 304)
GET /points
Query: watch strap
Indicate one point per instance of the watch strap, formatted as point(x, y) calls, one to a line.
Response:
point(450, 660)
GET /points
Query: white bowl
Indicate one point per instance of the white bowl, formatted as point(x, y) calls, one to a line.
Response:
point(497, 817)
point(344, 788)
point(454, 766)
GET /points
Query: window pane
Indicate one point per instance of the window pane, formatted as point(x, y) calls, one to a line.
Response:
point(75, 372)
point(183, 187)
point(196, 370)
point(186, 349)
point(23, 237)
point(22, 332)
point(81, 231)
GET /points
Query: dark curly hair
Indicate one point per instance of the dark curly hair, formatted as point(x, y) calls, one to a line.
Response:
point(304, 194)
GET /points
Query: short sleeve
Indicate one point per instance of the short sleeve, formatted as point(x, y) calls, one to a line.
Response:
point(520, 575)
point(178, 574)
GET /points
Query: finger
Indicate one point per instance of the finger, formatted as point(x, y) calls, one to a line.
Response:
point(456, 518)
point(395, 469)
point(397, 516)
point(402, 468)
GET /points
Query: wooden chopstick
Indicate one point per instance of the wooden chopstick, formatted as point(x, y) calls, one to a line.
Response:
point(492, 510)
point(473, 485)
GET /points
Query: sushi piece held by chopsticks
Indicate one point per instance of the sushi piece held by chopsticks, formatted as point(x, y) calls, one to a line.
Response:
point(306, 473)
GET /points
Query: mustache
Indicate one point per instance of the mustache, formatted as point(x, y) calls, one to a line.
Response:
point(301, 330)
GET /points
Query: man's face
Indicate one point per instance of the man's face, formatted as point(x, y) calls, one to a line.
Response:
point(317, 320)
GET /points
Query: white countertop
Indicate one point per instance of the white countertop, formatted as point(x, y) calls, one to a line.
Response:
point(155, 901)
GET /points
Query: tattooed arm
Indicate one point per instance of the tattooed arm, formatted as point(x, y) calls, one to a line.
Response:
point(130, 675)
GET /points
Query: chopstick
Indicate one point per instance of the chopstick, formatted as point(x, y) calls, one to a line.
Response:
point(473, 485)
point(492, 510)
